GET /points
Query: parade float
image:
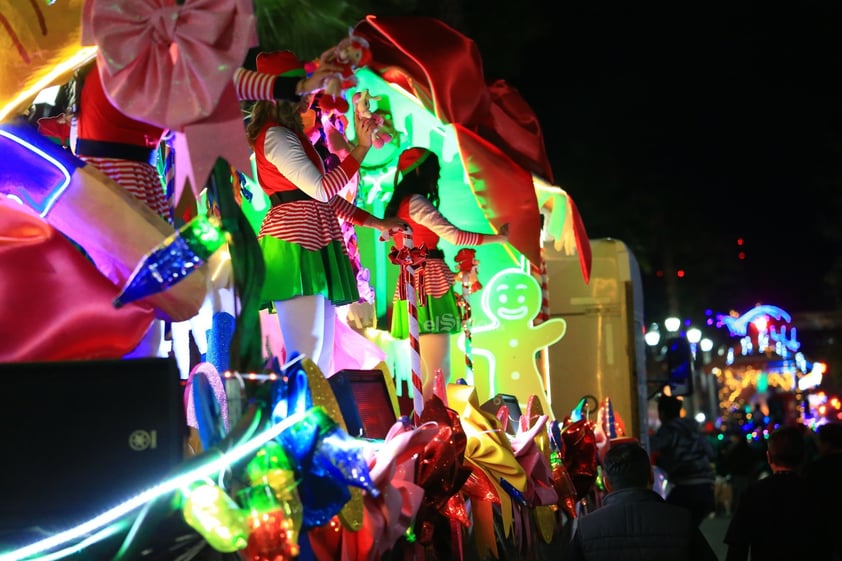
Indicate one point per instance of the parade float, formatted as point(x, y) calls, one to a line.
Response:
point(764, 378)
point(281, 477)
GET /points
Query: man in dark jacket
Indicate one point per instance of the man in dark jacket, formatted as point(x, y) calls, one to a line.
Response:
point(824, 484)
point(682, 451)
point(777, 519)
point(634, 523)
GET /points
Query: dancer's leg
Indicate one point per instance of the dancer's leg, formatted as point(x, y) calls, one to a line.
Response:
point(304, 328)
point(435, 353)
point(325, 359)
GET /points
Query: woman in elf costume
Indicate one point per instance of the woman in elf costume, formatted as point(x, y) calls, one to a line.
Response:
point(416, 200)
point(308, 271)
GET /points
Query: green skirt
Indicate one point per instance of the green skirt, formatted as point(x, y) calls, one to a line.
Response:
point(440, 315)
point(292, 270)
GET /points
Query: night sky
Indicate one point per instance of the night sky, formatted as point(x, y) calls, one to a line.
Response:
point(681, 130)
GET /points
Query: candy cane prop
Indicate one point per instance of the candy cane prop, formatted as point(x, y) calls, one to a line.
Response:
point(408, 259)
point(467, 263)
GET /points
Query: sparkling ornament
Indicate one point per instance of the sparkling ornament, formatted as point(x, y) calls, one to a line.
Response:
point(215, 515)
point(273, 536)
point(173, 259)
point(272, 466)
point(351, 514)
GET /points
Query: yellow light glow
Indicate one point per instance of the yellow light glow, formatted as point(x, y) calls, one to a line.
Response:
point(49, 78)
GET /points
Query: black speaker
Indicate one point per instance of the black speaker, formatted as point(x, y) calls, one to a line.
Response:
point(365, 402)
point(81, 437)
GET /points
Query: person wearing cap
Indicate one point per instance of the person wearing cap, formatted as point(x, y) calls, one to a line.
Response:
point(415, 200)
point(308, 270)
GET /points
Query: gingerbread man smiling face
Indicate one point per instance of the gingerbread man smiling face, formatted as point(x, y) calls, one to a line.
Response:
point(512, 300)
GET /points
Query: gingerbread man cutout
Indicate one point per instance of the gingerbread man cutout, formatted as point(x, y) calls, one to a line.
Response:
point(512, 299)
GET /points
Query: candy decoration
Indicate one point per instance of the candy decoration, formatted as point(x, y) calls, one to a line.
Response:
point(173, 259)
point(215, 515)
point(404, 258)
point(467, 275)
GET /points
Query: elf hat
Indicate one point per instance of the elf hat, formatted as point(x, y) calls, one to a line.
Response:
point(280, 63)
point(409, 160)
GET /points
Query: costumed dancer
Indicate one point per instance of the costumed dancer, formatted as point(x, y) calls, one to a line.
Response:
point(125, 149)
point(416, 200)
point(308, 271)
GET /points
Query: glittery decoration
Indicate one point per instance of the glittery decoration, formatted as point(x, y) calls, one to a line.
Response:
point(563, 486)
point(272, 466)
point(544, 514)
point(222, 329)
point(291, 392)
point(208, 403)
point(215, 516)
point(580, 458)
point(440, 469)
point(351, 514)
point(273, 535)
point(341, 455)
point(173, 259)
point(211, 375)
point(322, 495)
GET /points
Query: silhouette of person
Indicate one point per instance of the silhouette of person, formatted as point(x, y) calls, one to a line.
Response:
point(683, 452)
point(634, 522)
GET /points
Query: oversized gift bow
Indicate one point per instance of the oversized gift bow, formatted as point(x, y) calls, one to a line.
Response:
point(442, 473)
point(532, 449)
point(172, 65)
point(497, 471)
point(580, 455)
point(410, 260)
point(385, 518)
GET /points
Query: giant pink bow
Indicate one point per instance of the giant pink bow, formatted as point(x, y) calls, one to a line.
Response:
point(172, 65)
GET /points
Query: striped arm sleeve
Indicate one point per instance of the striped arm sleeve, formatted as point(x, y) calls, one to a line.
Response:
point(284, 149)
point(423, 212)
point(252, 86)
point(348, 212)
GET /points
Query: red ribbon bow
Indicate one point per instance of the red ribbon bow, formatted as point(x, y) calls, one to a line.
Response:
point(411, 261)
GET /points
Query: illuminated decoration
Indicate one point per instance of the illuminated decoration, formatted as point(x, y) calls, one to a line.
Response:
point(175, 258)
point(273, 536)
point(763, 362)
point(34, 174)
point(215, 516)
point(92, 210)
point(760, 317)
point(512, 299)
point(271, 466)
point(206, 469)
